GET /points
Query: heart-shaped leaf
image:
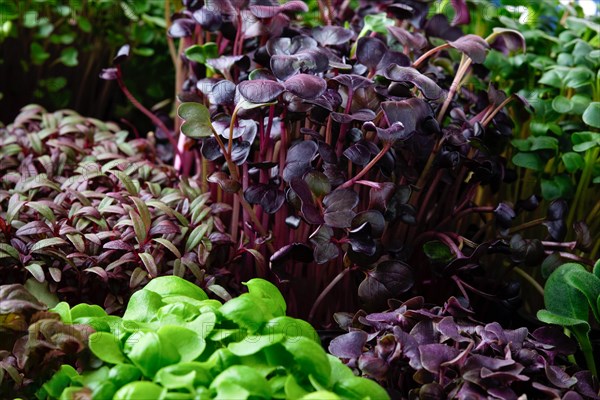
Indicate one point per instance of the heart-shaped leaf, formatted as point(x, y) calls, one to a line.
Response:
point(197, 120)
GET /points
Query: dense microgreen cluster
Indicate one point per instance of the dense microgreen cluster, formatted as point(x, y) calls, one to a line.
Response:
point(442, 352)
point(173, 342)
point(30, 336)
point(559, 144)
point(94, 214)
point(368, 150)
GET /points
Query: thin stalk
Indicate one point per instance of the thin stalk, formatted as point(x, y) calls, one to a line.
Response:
point(326, 291)
point(586, 349)
point(584, 182)
point(172, 51)
point(530, 279)
point(428, 54)
point(344, 127)
point(368, 167)
point(240, 194)
point(527, 225)
point(145, 111)
point(465, 63)
point(489, 118)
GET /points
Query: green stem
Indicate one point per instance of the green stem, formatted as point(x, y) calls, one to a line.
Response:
point(584, 182)
point(586, 348)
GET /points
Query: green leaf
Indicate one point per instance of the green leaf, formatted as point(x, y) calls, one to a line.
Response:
point(291, 327)
point(41, 292)
point(591, 116)
point(143, 212)
point(573, 161)
point(126, 181)
point(36, 271)
point(583, 141)
point(9, 251)
point(188, 343)
point(556, 319)
point(169, 245)
point(438, 252)
point(580, 103)
point(543, 143)
point(246, 377)
point(151, 353)
point(521, 144)
point(197, 120)
point(122, 374)
point(86, 310)
point(139, 390)
point(310, 358)
point(64, 310)
point(321, 395)
point(529, 160)
point(184, 375)
point(167, 286)
point(38, 54)
point(196, 236)
point(562, 299)
point(107, 347)
point(42, 244)
point(84, 24)
point(68, 56)
point(588, 284)
point(143, 305)
point(560, 186)
point(60, 381)
point(141, 232)
point(247, 312)
point(377, 23)
point(339, 370)
point(252, 344)
point(201, 53)
point(360, 388)
point(268, 292)
point(562, 105)
point(596, 269)
point(149, 263)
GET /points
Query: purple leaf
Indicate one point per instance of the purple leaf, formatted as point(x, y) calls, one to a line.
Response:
point(349, 345)
point(269, 11)
point(260, 90)
point(435, 354)
point(109, 74)
point(298, 159)
point(118, 245)
point(438, 26)
point(269, 197)
point(461, 13)
point(428, 87)
point(222, 93)
point(332, 35)
point(310, 211)
point(370, 51)
point(306, 86)
point(415, 41)
point(122, 54)
point(182, 27)
point(208, 19)
point(353, 81)
point(473, 46)
point(388, 280)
